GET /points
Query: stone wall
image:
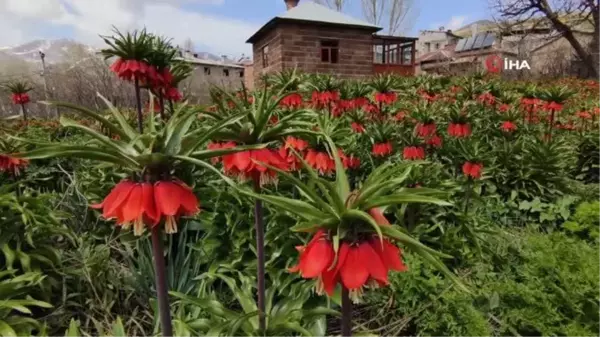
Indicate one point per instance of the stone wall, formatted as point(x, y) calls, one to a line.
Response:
point(299, 45)
point(197, 86)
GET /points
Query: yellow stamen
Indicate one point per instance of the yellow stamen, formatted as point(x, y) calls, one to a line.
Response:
point(138, 226)
point(170, 225)
point(355, 295)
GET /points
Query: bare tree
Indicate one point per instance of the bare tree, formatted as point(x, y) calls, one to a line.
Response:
point(564, 16)
point(338, 5)
point(396, 15)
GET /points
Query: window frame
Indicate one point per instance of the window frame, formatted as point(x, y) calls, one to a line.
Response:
point(226, 72)
point(330, 51)
point(265, 55)
point(207, 71)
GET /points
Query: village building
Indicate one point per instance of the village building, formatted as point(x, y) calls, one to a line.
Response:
point(315, 39)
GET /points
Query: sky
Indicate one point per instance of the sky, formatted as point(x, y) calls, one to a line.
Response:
point(217, 26)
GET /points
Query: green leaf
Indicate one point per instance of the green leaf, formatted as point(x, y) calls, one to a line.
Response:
point(6, 330)
point(403, 198)
point(73, 330)
point(341, 180)
point(126, 149)
point(358, 214)
point(300, 208)
point(173, 142)
point(127, 129)
point(117, 328)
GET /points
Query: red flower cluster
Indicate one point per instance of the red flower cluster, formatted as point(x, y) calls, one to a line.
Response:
point(358, 264)
point(435, 141)
point(12, 164)
point(146, 204)
point(249, 164)
point(552, 106)
point(320, 161)
point(472, 170)
point(20, 98)
point(291, 101)
point(413, 153)
point(486, 99)
point(459, 130)
point(508, 126)
point(386, 97)
point(426, 130)
point(129, 70)
point(299, 145)
point(382, 149)
point(504, 107)
point(349, 162)
point(173, 94)
point(323, 99)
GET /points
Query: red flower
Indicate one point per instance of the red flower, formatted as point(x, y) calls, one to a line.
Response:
point(357, 264)
point(215, 146)
point(12, 164)
point(553, 106)
point(296, 143)
point(145, 204)
point(428, 97)
point(320, 161)
point(322, 99)
point(360, 102)
point(291, 101)
point(386, 97)
point(349, 162)
point(584, 115)
point(504, 107)
point(20, 98)
point(426, 130)
point(357, 127)
point(472, 170)
point(413, 153)
point(382, 149)
point(173, 94)
point(459, 130)
point(487, 99)
point(400, 116)
point(131, 69)
point(435, 141)
point(249, 164)
point(370, 108)
point(508, 126)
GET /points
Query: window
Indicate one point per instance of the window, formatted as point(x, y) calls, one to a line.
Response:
point(265, 56)
point(226, 72)
point(437, 46)
point(242, 73)
point(329, 51)
point(206, 71)
point(427, 47)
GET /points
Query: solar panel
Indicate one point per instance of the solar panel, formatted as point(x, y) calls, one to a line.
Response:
point(479, 40)
point(489, 40)
point(460, 45)
point(469, 44)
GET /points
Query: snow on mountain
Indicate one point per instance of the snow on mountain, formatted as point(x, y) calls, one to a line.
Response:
point(56, 51)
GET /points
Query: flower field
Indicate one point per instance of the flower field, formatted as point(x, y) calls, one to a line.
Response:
point(310, 206)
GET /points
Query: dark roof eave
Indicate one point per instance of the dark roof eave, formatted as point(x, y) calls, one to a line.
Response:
point(395, 37)
point(274, 21)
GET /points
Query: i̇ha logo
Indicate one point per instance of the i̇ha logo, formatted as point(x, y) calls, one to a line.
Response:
point(495, 64)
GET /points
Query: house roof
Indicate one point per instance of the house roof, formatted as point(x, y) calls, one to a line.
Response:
point(207, 62)
point(442, 54)
point(310, 12)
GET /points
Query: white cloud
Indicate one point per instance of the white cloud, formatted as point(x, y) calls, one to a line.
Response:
point(89, 18)
point(454, 23)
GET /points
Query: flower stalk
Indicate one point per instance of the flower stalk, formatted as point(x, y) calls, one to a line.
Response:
point(260, 252)
point(346, 313)
point(161, 283)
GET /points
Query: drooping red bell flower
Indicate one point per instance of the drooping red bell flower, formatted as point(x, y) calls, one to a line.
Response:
point(459, 130)
point(320, 161)
point(435, 141)
point(348, 161)
point(249, 164)
point(12, 164)
point(426, 130)
point(358, 264)
point(357, 127)
point(129, 70)
point(584, 115)
point(360, 102)
point(145, 204)
point(323, 99)
point(173, 94)
point(487, 99)
point(504, 107)
point(508, 126)
point(382, 149)
point(371, 108)
point(429, 97)
point(400, 116)
point(20, 98)
point(413, 153)
point(291, 101)
point(215, 146)
point(297, 144)
point(386, 97)
point(552, 106)
point(472, 170)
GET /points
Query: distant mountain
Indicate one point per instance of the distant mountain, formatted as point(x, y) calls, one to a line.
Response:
point(56, 51)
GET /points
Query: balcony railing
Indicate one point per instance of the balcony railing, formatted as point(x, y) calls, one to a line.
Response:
point(394, 54)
